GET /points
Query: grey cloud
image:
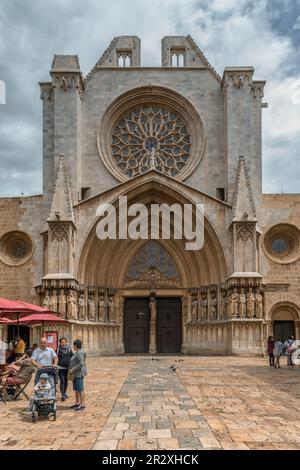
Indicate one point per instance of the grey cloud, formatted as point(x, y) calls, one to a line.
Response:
point(32, 31)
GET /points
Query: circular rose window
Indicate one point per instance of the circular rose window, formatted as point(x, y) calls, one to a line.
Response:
point(151, 137)
point(281, 243)
point(151, 128)
point(15, 248)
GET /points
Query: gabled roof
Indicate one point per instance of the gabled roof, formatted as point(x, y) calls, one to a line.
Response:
point(243, 202)
point(61, 208)
point(203, 58)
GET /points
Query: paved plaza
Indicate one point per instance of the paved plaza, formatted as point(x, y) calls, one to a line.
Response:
point(141, 403)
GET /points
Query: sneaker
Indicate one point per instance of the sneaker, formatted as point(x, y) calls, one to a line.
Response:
point(75, 406)
point(63, 398)
point(66, 396)
point(79, 408)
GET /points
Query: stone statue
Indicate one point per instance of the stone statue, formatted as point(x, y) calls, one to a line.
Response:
point(185, 308)
point(53, 301)
point(62, 304)
point(250, 303)
point(223, 314)
point(72, 305)
point(152, 306)
point(92, 307)
point(234, 303)
point(195, 308)
point(46, 301)
point(203, 308)
point(111, 308)
point(258, 304)
point(102, 307)
point(242, 304)
point(214, 306)
point(81, 306)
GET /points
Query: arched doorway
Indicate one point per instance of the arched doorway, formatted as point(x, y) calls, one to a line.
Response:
point(111, 270)
point(285, 321)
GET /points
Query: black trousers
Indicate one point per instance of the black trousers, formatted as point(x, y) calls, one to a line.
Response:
point(271, 359)
point(63, 379)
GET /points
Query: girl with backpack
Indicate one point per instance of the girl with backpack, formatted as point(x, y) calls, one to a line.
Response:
point(64, 354)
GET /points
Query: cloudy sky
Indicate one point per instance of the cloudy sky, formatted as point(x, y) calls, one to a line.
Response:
point(262, 33)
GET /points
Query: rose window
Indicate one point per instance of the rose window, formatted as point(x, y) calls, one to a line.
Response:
point(151, 137)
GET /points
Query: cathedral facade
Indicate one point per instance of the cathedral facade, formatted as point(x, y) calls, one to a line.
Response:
point(175, 134)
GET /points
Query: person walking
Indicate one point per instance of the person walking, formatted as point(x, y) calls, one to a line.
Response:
point(77, 372)
point(270, 349)
point(64, 354)
point(290, 348)
point(44, 356)
point(277, 352)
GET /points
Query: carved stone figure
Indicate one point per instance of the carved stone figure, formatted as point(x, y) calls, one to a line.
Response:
point(53, 301)
point(242, 303)
point(195, 308)
point(250, 303)
point(185, 308)
point(203, 307)
point(46, 301)
point(234, 303)
point(102, 307)
point(62, 304)
point(111, 308)
point(214, 306)
point(258, 304)
point(152, 305)
point(81, 307)
point(223, 311)
point(72, 305)
point(92, 307)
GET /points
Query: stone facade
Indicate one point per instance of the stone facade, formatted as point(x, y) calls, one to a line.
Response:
point(108, 135)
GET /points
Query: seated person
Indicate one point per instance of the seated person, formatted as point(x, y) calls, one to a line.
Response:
point(20, 374)
point(18, 350)
point(42, 390)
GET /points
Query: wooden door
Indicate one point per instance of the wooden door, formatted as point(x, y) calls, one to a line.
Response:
point(136, 325)
point(168, 326)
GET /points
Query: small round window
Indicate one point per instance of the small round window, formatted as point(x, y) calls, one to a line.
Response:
point(281, 243)
point(280, 246)
point(15, 248)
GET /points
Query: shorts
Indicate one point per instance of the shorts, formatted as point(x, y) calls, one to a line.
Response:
point(78, 384)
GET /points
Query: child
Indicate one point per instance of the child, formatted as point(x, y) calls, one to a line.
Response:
point(277, 352)
point(270, 349)
point(42, 390)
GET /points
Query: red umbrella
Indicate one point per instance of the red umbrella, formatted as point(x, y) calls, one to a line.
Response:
point(33, 308)
point(5, 321)
point(40, 318)
point(17, 308)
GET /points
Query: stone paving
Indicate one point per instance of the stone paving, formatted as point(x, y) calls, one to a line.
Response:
point(141, 403)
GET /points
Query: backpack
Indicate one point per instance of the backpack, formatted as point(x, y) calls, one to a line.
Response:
point(64, 356)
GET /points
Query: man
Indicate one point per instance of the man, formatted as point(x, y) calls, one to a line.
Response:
point(19, 348)
point(44, 356)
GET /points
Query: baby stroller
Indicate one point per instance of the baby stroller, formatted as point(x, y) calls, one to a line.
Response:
point(45, 406)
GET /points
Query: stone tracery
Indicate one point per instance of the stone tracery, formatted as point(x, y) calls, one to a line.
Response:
point(151, 136)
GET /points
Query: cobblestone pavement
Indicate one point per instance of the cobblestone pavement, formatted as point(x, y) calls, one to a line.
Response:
point(140, 403)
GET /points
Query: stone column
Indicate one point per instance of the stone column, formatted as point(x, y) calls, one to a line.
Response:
point(152, 333)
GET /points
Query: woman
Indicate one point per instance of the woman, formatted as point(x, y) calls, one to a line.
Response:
point(270, 349)
point(77, 372)
point(277, 352)
point(64, 354)
point(290, 348)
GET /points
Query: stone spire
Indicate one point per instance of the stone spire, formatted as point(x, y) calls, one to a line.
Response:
point(61, 208)
point(243, 207)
